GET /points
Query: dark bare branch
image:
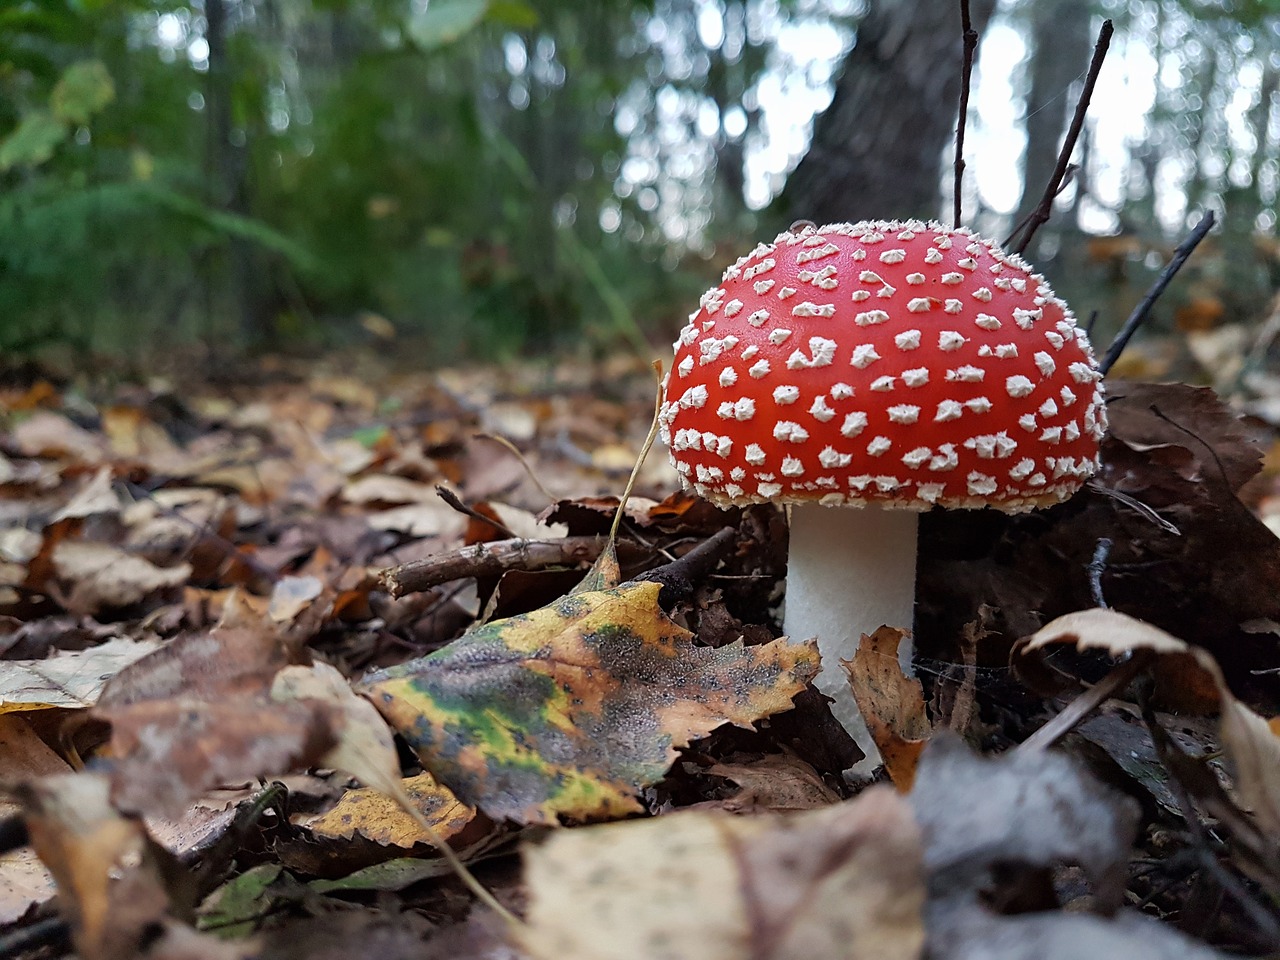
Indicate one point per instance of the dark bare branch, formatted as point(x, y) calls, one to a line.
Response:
point(970, 44)
point(1143, 309)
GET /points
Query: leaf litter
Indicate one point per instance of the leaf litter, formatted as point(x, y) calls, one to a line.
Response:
point(213, 618)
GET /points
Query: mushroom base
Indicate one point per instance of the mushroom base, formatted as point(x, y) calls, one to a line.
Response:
point(849, 572)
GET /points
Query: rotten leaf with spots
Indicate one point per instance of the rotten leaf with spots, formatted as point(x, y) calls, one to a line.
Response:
point(571, 710)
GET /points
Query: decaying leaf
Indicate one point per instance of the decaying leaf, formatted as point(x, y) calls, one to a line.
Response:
point(71, 680)
point(777, 783)
point(844, 881)
point(102, 577)
point(381, 818)
point(572, 709)
point(113, 881)
point(1251, 744)
point(988, 821)
point(197, 714)
point(891, 704)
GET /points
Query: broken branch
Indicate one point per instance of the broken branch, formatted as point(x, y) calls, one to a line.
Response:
point(488, 560)
point(1143, 309)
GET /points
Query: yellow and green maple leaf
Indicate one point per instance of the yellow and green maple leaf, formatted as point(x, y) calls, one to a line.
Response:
point(573, 709)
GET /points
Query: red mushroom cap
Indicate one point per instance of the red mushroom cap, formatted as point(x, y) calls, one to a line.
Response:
point(902, 363)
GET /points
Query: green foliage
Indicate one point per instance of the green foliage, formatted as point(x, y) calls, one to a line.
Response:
point(441, 165)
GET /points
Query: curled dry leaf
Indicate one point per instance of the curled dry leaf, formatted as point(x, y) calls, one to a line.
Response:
point(776, 782)
point(844, 881)
point(114, 883)
point(1251, 744)
point(24, 880)
point(891, 703)
point(572, 709)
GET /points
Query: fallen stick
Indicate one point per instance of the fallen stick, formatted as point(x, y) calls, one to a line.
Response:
point(487, 560)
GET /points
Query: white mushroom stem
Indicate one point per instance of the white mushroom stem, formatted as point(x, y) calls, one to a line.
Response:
point(849, 572)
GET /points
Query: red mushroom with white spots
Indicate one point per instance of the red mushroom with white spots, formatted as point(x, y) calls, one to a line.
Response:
point(888, 366)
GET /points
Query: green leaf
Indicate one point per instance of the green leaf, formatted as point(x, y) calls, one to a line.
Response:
point(514, 14)
point(33, 141)
point(84, 89)
point(233, 910)
point(391, 875)
point(445, 21)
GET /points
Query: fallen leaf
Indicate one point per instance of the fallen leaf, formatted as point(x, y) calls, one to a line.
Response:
point(985, 821)
point(378, 817)
point(572, 709)
point(1037, 809)
point(197, 714)
point(103, 577)
point(291, 595)
point(777, 783)
point(891, 703)
point(113, 881)
point(1250, 743)
point(844, 881)
point(389, 875)
point(69, 680)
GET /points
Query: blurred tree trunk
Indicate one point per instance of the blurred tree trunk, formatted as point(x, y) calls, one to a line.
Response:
point(225, 173)
point(1059, 51)
point(877, 150)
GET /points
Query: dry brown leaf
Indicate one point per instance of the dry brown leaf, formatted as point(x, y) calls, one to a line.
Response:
point(46, 434)
point(113, 881)
point(70, 680)
point(845, 881)
point(891, 703)
point(291, 595)
point(103, 577)
point(1250, 743)
point(197, 714)
point(95, 497)
point(776, 782)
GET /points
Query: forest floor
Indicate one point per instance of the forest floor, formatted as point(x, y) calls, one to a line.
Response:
point(207, 586)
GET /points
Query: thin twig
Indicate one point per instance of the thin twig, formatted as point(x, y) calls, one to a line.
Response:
point(1045, 209)
point(452, 499)
point(1143, 309)
point(970, 44)
point(679, 577)
point(1022, 224)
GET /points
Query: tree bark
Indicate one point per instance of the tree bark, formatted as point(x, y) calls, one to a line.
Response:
point(877, 150)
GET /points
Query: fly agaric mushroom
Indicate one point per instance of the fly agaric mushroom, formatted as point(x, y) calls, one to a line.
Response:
point(892, 366)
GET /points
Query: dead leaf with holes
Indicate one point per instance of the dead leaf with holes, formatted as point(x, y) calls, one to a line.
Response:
point(844, 881)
